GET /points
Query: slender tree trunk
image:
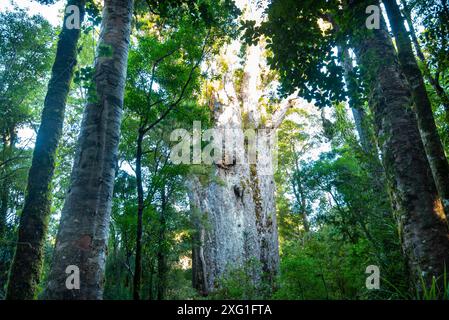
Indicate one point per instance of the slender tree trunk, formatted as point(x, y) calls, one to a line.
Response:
point(418, 207)
point(26, 267)
point(4, 184)
point(434, 81)
point(4, 196)
point(140, 207)
point(357, 109)
point(426, 122)
point(161, 253)
point(150, 282)
point(5, 192)
point(83, 231)
point(366, 137)
point(235, 213)
point(301, 199)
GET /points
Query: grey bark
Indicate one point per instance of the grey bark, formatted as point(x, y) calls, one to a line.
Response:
point(83, 231)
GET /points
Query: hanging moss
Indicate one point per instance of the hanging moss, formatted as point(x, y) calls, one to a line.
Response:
point(256, 193)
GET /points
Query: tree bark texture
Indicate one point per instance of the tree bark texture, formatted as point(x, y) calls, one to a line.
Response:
point(83, 231)
point(235, 212)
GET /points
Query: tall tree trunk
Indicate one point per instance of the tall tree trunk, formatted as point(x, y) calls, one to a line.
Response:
point(356, 108)
point(235, 213)
point(433, 80)
point(26, 267)
point(5, 192)
point(426, 122)
point(298, 191)
point(366, 136)
point(140, 207)
point(418, 207)
point(4, 197)
point(4, 182)
point(150, 281)
point(83, 231)
point(161, 251)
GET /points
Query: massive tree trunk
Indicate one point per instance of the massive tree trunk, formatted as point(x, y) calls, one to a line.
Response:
point(83, 231)
point(234, 212)
point(426, 122)
point(433, 80)
point(26, 267)
point(418, 207)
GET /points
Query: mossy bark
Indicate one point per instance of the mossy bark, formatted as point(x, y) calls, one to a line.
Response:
point(83, 231)
point(418, 207)
point(26, 267)
point(235, 220)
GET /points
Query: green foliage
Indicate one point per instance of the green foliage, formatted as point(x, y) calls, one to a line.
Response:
point(323, 268)
point(25, 57)
point(434, 291)
point(337, 222)
point(302, 51)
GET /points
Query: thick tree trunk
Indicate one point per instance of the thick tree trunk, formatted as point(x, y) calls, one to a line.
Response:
point(140, 207)
point(26, 267)
point(83, 231)
point(426, 122)
point(235, 213)
point(418, 207)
